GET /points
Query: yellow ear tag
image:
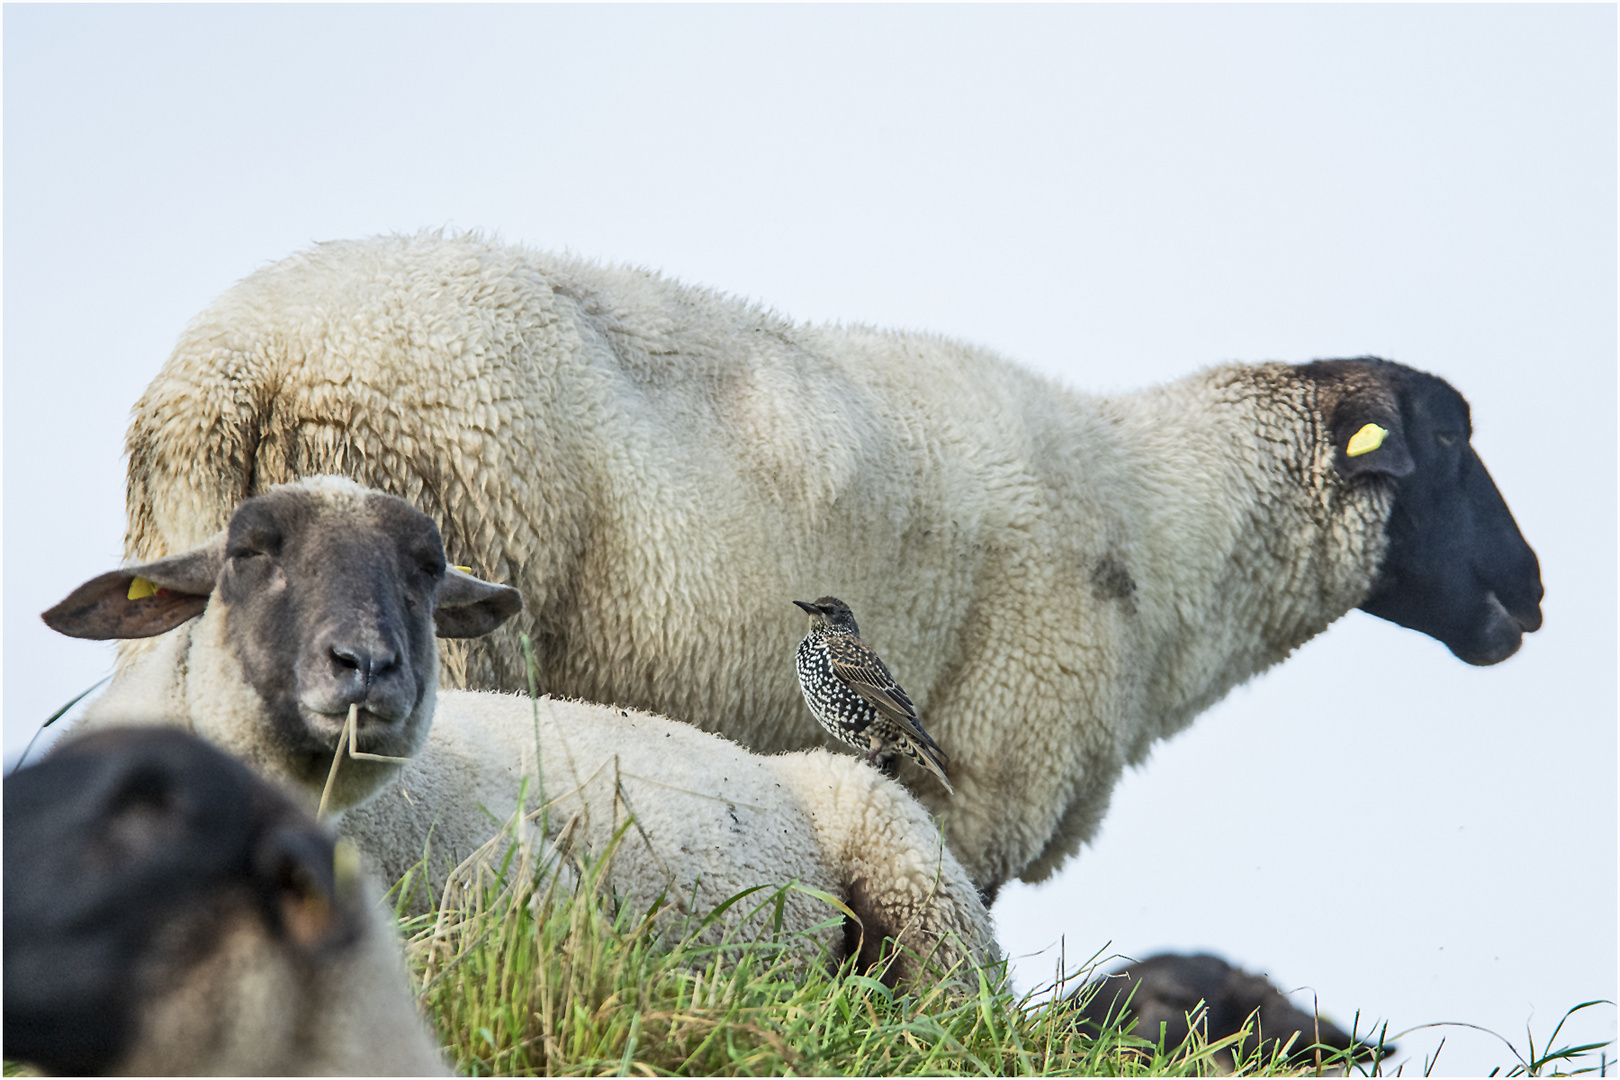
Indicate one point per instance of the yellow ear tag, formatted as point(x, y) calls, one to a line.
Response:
point(464, 569)
point(1365, 441)
point(140, 588)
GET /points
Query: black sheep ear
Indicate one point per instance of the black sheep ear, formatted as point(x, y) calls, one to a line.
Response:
point(470, 607)
point(308, 878)
point(1369, 441)
point(141, 601)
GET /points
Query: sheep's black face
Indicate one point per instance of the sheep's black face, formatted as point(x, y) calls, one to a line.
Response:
point(1457, 567)
point(130, 856)
point(328, 595)
point(330, 603)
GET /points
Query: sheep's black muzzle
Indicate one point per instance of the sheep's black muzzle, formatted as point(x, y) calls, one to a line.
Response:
point(358, 665)
point(338, 615)
point(1457, 568)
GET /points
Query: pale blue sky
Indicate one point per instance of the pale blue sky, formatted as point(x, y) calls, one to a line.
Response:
point(1114, 195)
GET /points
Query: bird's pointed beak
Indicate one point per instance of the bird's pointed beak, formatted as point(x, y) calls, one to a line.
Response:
point(809, 608)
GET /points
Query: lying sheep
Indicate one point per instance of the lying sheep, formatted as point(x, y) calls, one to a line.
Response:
point(166, 912)
point(1059, 580)
point(1157, 995)
point(322, 594)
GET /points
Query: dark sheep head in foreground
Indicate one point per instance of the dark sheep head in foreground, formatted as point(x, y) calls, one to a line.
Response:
point(1221, 999)
point(168, 913)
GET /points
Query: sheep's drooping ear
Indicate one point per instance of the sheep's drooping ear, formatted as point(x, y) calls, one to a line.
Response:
point(470, 607)
point(302, 871)
point(141, 601)
point(1368, 438)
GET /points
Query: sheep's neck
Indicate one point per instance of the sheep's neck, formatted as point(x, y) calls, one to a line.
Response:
point(1246, 542)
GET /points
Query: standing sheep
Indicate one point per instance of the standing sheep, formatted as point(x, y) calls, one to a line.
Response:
point(1063, 580)
point(167, 912)
point(322, 595)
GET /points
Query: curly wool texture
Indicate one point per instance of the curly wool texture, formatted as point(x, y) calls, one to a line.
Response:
point(1057, 580)
point(711, 818)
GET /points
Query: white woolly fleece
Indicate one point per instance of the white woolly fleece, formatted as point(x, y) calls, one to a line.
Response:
point(1056, 580)
point(711, 818)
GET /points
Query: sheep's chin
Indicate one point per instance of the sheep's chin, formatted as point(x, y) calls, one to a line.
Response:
point(1498, 638)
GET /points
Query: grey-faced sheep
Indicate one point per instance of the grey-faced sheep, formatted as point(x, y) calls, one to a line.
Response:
point(1059, 580)
point(1220, 999)
point(167, 912)
point(322, 594)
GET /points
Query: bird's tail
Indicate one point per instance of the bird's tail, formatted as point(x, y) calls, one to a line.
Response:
point(933, 759)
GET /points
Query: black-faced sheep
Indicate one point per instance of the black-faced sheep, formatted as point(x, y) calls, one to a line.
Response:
point(322, 595)
point(1221, 999)
point(1059, 580)
point(167, 912)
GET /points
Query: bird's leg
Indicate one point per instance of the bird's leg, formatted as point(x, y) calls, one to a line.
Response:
point(883, 762)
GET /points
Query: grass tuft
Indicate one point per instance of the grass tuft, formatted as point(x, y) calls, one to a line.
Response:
point(532, 966)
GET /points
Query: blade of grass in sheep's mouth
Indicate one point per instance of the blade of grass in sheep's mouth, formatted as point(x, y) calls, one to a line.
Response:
point(347, 737)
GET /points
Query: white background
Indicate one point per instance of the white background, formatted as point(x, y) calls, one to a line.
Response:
point(1114, 195)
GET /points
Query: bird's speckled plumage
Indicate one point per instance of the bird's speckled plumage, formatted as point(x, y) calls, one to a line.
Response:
point(853, 695)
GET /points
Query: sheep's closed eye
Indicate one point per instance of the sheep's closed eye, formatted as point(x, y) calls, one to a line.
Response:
point(1446, 438)
point(251, 543)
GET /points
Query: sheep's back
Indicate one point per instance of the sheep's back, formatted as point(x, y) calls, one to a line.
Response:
point(710, 819)
point(659, 468)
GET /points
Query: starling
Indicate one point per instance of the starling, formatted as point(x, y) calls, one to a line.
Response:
point(853, 695)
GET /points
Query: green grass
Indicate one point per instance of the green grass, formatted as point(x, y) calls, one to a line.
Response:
point(531, 966)
point(533, 971)
point(536, 973)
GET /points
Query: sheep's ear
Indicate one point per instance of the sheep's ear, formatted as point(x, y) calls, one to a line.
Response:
point(300, 869)
point(469, 607)
point(1368, 437)
point(141, 601)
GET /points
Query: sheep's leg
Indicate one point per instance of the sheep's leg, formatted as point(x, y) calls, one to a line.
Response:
point(898, 878)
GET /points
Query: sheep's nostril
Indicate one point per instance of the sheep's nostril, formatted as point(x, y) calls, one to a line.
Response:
point(369, 665)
